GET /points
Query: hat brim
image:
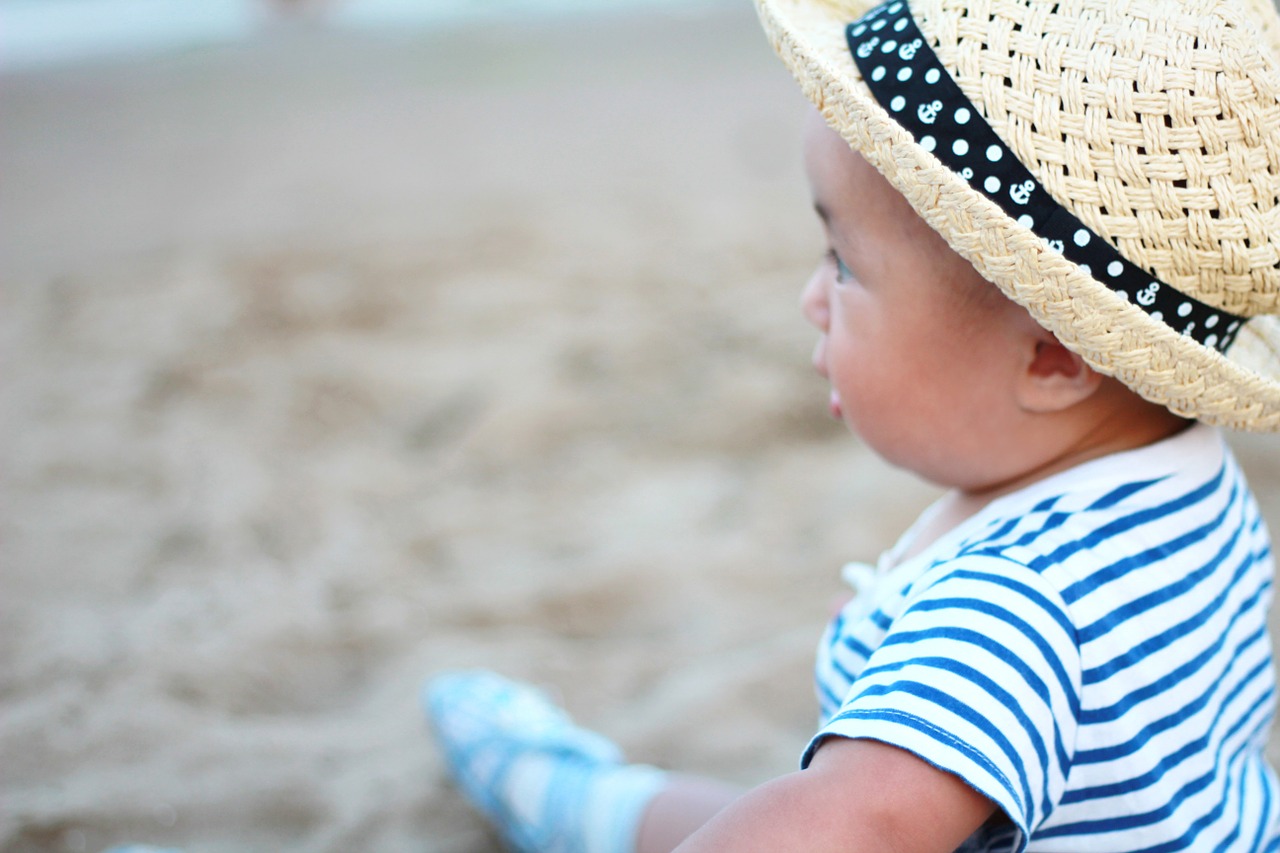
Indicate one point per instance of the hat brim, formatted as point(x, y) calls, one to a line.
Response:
point(1115, 337)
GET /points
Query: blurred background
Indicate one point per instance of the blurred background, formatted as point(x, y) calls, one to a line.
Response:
point(347, 342)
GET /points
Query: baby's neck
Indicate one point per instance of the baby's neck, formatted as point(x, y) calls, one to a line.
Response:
point(952, 509)
point(960, 504)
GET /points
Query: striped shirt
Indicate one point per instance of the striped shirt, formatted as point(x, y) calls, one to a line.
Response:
point(1091, 653)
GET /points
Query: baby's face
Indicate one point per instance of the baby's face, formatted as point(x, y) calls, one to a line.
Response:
point(913, 341)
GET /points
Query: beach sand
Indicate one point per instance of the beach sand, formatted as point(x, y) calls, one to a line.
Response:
point(332, 361)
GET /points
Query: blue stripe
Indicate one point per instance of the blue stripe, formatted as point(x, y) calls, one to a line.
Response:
point(1242, 786)
point(1119, 493)
point(829, 641)
point(1173, 759)
point(844, 673)
point(1267, 824)
point(1174, 677)
point(1035, 637)
point(1225, 844)
point(1148, 602)
point(856, 646)
point(992, 689)
point(969, 637)
point(1164, 811)
point(828, 699)
point(1187, 841)
point(1147, 558)
point(1262, 731)
point(1259, 710)
point(1033, 595)
point(1134, 821)
point(1046, 504)
point(1129, 522)
point(1000, 532)
point(992, 546)
point(1052, 522)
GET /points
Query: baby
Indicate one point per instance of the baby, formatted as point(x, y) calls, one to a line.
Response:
point(1054, 235)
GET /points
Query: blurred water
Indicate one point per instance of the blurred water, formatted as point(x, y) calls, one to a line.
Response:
point(36, 33)
point(47, 32)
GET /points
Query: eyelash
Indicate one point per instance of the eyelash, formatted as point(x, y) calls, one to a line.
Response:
point(842, 271)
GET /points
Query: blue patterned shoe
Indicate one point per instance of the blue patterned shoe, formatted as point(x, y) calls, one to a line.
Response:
point(544, 782)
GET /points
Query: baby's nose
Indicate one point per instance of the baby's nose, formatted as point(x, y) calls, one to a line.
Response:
point(813, 301)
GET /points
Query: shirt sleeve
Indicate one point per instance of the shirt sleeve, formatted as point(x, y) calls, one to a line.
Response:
point(980, 677)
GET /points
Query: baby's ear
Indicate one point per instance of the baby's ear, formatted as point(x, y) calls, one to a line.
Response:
point(1054, 378)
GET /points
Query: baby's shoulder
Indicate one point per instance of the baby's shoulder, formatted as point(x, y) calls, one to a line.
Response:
point(1109, 541)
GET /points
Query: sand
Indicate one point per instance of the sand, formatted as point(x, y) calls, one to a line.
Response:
point(332, 361)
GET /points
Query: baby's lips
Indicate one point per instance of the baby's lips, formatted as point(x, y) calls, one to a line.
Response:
point(837, 410)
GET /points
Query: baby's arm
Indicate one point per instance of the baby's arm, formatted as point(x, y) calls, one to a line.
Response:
point(855, 795)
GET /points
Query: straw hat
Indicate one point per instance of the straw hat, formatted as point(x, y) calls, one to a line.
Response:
point(1112, 165)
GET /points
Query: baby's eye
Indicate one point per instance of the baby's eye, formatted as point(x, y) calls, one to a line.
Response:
point(842, 272)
